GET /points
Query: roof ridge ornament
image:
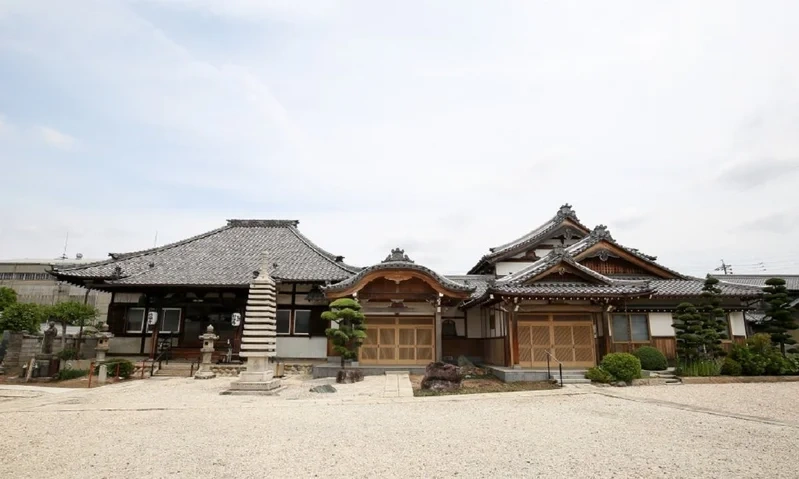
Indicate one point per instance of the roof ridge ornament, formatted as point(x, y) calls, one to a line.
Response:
point(601, 232)
point(565, 211)
point(397, 255)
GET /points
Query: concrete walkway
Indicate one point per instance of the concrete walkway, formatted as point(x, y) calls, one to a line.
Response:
point(398, 384)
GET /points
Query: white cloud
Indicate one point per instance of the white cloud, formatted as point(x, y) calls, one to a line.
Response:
point(56, 139)
point(407, 125)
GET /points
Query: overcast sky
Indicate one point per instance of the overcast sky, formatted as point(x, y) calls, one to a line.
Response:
point(442, 127)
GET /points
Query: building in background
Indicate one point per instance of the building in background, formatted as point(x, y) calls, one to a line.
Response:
point(33, 284)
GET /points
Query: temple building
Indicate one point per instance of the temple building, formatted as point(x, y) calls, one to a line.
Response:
point(564, 291)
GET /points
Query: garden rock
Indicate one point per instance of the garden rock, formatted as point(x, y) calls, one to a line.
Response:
point(347, 376)
point(441, 377)
point(324, 388)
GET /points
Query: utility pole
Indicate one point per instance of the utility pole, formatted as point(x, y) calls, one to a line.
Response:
point(724, 267)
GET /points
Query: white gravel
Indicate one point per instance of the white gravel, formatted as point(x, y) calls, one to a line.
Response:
point(184, 428)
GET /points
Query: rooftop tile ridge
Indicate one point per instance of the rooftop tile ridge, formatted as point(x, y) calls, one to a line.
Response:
point(256, 223)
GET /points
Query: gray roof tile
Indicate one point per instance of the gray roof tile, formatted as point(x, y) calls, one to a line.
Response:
point(226, 256)
point(398, 260)
point(759, 280)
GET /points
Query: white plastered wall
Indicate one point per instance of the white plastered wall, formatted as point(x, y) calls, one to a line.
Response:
point(737, 323)
point(509, 267)
point(301, 348)
point(660, 324)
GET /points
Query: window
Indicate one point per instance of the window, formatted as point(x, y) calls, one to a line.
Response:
point(170, 320)
point(302, 321)
point(283, 321)
point(630, 328)
point(135, 320)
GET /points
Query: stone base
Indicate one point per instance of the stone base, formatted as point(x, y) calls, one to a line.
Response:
point(205, 375)
point(260, 388)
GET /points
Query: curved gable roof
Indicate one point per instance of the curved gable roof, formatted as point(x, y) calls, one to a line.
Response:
point(226, 256)
point(398, 261)
point(565, 217)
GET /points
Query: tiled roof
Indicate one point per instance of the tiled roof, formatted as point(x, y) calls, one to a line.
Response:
point(479, 282)
point(398, 260)
point(576, 290)
point(601, 233)
point(226, 256)
point(759, 280)
point(530, 239)
point(678, 288)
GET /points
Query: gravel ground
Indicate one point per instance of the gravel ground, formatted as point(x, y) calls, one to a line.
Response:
point(184, 428)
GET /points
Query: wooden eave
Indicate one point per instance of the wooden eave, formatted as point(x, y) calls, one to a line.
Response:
point(569, 268)
point(398, 275)
point(645, 265)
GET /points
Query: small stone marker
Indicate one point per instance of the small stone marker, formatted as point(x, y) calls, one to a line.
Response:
point(324, 388)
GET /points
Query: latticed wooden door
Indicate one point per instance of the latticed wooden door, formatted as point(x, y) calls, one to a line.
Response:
point(534, 341)
point(571, 342)
point(398, 341)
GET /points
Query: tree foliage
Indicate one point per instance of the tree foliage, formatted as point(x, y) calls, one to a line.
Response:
point(688, 332)
point(72, 313)
point(7, 297)
point(22, 317)
point(351, 331)
point(778, 321)
point(714, 320)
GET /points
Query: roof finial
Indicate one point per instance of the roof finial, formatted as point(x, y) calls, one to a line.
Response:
point(565, 210)
point(397, 254)
point(601, 232)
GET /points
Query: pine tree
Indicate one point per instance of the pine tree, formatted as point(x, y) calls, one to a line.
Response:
point(714, 321)
point(351, 331)
point(778, 321)
point(688, 328)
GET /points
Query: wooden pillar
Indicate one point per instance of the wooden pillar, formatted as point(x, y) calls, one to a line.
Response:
point(437, 332)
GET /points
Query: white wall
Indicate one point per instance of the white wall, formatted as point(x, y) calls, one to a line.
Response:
point(737, 323)
point(475, 329)
point(301, 347)
point(508, 267)
point(125, 345)
point(660, 324)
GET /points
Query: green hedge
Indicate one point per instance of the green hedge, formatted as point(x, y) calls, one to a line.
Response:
point(651, 358)
point(622, 366)
point(598, 375)
point(65, 374)
point(125, 368)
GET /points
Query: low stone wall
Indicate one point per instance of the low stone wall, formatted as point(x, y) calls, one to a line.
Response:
point(738, 379)
point(21, 347)
point(650, 382)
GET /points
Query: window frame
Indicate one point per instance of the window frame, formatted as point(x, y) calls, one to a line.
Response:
point(277, 330)
point(629, 324)
point(163, 316)
point(294, 321)
point(143, 320)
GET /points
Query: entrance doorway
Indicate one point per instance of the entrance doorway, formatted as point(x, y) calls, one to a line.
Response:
point(568, 337)
point(398, 341)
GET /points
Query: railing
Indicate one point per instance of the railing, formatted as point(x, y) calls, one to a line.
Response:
point(560, 367)
point(165, 351)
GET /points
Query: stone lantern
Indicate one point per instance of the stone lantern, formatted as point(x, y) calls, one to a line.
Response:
point(204, 371)
point(102, 347)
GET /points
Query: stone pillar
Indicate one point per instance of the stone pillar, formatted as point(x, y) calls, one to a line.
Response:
point(100, 350)
point(204, 371)
point(259, 339)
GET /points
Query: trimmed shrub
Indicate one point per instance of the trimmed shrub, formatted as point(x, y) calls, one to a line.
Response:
point(65, 374)
point(622, 366)
point(125, 368)
point(651, 358)
point(731, 367)
point(598, 375)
